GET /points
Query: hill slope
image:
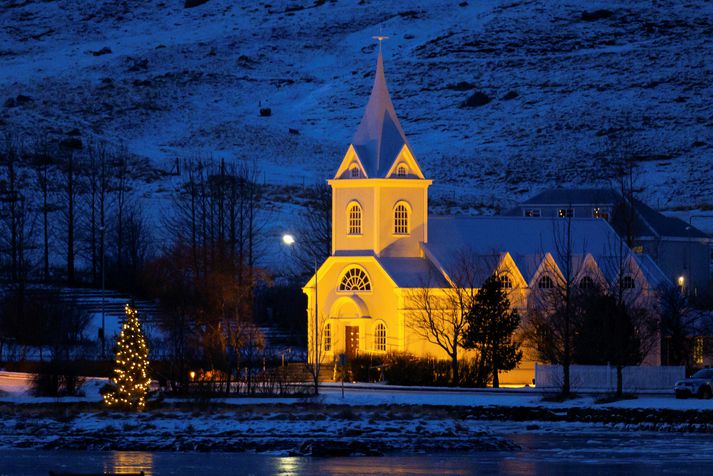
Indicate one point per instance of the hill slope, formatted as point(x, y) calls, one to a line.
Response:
point(562, 76)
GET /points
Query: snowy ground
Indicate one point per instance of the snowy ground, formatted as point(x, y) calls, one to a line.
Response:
point(15, 389)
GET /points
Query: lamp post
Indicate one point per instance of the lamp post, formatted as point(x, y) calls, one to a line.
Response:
point(289, 240)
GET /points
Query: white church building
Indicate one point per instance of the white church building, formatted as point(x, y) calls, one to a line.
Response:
point(386, 247)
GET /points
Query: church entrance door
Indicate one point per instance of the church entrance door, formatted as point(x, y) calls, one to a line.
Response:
point(351, 338)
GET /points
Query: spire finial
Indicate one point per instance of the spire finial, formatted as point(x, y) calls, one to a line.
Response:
point(380, 38)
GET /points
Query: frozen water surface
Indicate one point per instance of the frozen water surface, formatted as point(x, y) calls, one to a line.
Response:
point(561, 453)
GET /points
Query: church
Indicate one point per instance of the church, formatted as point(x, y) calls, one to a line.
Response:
point(386, 249)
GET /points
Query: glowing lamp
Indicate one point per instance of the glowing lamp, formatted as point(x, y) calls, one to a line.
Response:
point(192, 374)
point(288, 239)
point(681, 281)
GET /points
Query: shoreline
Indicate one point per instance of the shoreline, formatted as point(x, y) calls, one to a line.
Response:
point(317, 429)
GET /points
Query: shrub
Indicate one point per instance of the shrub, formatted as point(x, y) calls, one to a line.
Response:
point(57, 379)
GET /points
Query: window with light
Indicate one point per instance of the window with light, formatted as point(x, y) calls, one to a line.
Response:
point(401, 219)
point(328, 338)
point(401, 171)
point(354, 217)
point(566, 213)
point(380, 338)
point(698, 350)
point(505, 281)
point(355, 279)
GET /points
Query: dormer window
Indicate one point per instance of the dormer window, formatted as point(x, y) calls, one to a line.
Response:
point(545, 282)
point(401, 171)
point(627, 282)
point(354, 171)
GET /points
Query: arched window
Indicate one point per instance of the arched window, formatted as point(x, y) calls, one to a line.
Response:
point(355, 279)
point(586, 283)
point(354, 171)
point(380, 338)
point(327, 338)
point(505, 281)
point(354, 217)
point(545, 282)
point(401, 219)
point(401, 171)
point(627, 282)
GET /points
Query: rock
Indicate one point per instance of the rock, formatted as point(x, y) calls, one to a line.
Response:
point(294, 132)
point(21, 99)
point(596, 15)
point(461, 86)
point(104, 51)
point(193, 3)
point(510, 95)
point(10, 102)
point(139, 65)
point(265, 112)
point(142, 82)
point(476, 99)
point(463, 4)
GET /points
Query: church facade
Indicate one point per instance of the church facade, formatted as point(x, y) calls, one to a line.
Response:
point(386, 249)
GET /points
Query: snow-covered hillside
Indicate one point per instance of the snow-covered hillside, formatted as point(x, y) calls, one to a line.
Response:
point(561, 76)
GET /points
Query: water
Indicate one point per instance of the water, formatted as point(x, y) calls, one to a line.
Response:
point(543, 453)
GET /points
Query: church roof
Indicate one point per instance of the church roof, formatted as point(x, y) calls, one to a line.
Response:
point(413, 272)
point(379, 138)
point(528, 240)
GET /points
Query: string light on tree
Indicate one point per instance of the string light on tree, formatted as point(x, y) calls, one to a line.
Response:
point(131, 366)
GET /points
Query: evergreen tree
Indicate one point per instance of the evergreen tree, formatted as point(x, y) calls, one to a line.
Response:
point(131, 369)
point(491, 324)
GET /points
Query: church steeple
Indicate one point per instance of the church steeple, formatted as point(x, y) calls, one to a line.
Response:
point(379, 138)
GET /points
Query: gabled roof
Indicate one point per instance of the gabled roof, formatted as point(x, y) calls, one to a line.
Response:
point(379, 138)
point(529, 241)
point(413, 272)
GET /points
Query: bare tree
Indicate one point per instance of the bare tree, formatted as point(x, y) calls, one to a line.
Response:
point(552, 312)
point(438, 314)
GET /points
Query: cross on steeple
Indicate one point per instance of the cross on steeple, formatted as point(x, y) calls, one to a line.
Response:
point(381, 38)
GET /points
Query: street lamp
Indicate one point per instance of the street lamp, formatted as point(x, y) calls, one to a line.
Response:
point(289, 240)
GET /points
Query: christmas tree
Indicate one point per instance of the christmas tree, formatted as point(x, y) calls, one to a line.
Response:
point(130, 371)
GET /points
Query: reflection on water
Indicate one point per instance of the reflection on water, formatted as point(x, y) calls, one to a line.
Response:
point(131, 462)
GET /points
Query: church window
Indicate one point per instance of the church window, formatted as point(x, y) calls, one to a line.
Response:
point(505, 282)
point(586, 283)
point(545, 282)
point(355, 279)
point(354, 171)
point(328, 338)
point(380, 338)
point(627, 282)
point(532, 212)
point(401, 171)
point(565, 213)
point(354, 216)
point(401, 219)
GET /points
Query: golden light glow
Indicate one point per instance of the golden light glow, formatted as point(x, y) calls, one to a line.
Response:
point(131, 366)
point(681, 281)
point(288, 239)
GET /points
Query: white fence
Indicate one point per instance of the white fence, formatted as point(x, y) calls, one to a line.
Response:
point(602, 378)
